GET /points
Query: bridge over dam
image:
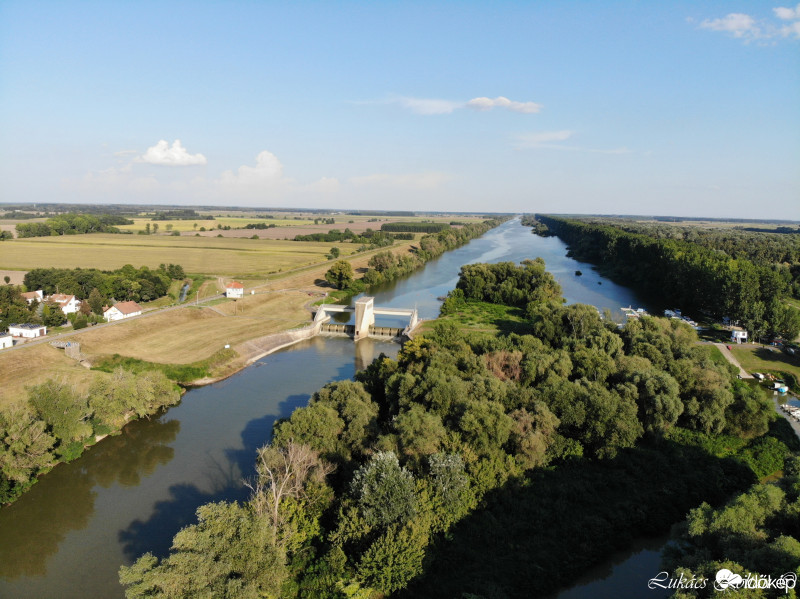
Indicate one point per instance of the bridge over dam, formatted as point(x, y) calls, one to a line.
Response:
point(365, 312)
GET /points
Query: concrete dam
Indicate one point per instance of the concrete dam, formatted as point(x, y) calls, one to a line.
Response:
point(365, 312)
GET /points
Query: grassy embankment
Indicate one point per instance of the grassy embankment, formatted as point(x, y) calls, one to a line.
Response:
point(190, 336)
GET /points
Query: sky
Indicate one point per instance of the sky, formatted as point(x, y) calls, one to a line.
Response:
point(616, 107)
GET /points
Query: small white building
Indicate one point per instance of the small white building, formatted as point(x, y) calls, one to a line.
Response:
point(6, 340)
point(33, 296)
point(27, 330)
point(69, 304)
point(122, 310)
point(234, 289)
point(738, 335)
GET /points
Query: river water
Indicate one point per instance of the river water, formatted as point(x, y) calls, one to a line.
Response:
point(130, 494)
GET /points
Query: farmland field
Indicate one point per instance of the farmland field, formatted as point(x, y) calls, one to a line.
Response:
point(208, 255)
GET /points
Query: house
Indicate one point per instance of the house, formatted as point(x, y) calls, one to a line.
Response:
point(738, 335)
point(122, 310)
point(33, 296)
point(6, 340)
point(234, 289)
point(69, 304)
point(27, 330)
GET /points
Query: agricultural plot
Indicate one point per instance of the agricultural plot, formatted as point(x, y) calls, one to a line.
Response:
point(206, 255)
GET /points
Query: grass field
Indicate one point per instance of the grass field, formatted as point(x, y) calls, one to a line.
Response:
point(755, 358)
point(208, 255)
point(33, 365)
point(485, 318)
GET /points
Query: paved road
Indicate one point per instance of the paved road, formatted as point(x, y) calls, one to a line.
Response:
point(729, 356)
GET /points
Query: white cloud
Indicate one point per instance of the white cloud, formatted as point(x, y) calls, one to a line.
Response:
point(549, 140)
point(428, 106)
point(432, 106)
point(267, 171)
point(738, 24)
point(503, 102)
point(787, 14)
point(748, 28)
point(533, 140)
point(793, 29)
point(163, 154)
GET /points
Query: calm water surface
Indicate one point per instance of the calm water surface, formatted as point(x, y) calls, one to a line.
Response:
point(131, 493)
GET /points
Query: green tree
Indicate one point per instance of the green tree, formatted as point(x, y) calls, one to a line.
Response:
point(384, 491)
point(96, 301)
point(25, 444)
point(334, 253)
point(228, 554)
point(64, 409)
point(340, 275)
point(52, 315)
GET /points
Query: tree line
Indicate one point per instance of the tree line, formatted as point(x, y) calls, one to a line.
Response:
point(387, 266)
point(73, 224)
point(414, 227)
point(474, 462)
point(687, 275)
point(123, 284)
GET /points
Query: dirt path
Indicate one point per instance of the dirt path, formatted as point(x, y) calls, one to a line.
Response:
point(729, 357)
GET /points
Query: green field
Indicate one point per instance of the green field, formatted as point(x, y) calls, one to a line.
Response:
point(208, 255)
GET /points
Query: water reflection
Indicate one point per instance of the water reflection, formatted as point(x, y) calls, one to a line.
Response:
point(64, 500)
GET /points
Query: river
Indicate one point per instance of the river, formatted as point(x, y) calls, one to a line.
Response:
point(131, 493)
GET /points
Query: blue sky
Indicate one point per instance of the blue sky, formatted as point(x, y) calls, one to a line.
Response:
point(683, 108)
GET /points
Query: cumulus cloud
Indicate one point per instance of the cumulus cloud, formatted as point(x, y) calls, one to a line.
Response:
point(748, 28)
point(503, 102)
point(787, 14)
point(268, 170)
point(176, 155)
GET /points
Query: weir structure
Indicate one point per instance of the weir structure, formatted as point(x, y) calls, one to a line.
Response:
point(365, 311)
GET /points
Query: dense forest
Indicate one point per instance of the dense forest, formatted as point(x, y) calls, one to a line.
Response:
point(73, 224)
point(480, 464)
point(712, 273)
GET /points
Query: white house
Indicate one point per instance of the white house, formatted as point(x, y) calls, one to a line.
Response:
point(69, 304)
point(122, 310)
point(33, 296)
point(6, 340)
point(737, 335)
point(27, 330)
point(234, 289)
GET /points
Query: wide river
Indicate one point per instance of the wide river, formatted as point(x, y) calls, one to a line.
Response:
point(130, 494)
